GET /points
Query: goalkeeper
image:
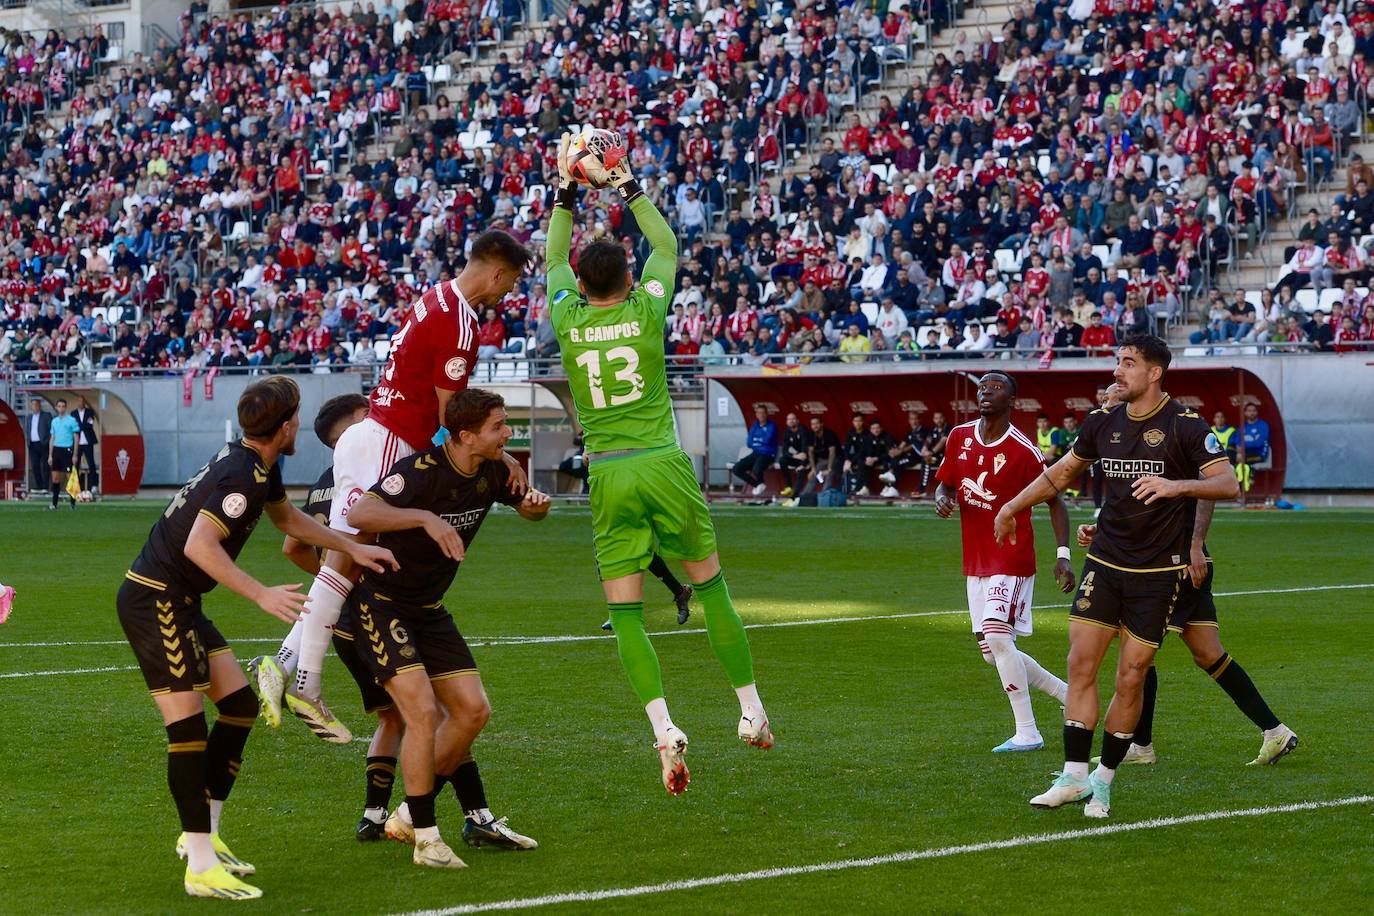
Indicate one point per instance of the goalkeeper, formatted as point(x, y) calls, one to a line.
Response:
point(644, 492)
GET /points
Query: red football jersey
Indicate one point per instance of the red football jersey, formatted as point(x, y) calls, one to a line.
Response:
point(435, 348)
point(985, 476)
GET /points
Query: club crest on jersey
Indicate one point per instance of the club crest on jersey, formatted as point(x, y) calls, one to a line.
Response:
point(456, 368)
point(234, 504)
point(1153, 437)
point(482, 485)
point(997, 463)
point(655, 288)
point(393, 484)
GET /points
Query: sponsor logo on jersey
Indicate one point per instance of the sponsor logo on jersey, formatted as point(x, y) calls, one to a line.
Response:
point(321, 495)
point(456, 368)
point(393, 484)
point(655, 288)
point(463, 520)
point(975, 494)
point(1131, 468)
point(234, 504)
point(421, 310)
point(1213, 444)
point(1153, 437)
point(384, 395)
point(354, 495)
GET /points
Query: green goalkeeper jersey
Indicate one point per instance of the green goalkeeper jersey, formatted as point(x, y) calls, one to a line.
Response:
point(614, 356)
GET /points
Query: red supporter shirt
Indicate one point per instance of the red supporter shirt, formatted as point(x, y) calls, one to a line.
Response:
point(984, 478)
point(436, 348)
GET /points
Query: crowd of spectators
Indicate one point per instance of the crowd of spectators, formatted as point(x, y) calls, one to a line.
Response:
point(274, 190)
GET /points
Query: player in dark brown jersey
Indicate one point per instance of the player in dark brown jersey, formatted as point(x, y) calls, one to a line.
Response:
point(429, 508)
point(189, 550)
point(1155, 456)
point(1195, 620)
point(336, 415)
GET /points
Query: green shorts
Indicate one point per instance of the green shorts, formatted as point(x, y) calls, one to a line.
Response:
point(646, 503)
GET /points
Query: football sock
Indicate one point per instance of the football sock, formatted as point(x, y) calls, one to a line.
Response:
point(1013, 674)
point(224, 749)
point(186, 739)
point(659, 567)
point(725, 631)
point(749, 697)
point(1231, 677)
point(637, 654)
point(657, 711)
point(1078, 747)
point(381, 774)
point(421, 811)
point(216, 809)
point(472, 795)
point(54, 496)
point(327, 595)
point(1114, 748)
point(1145, 728)
point(1041, 679)
point(290, 650)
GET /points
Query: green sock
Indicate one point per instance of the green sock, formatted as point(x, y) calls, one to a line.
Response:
point(725, 631)
point(636, 652)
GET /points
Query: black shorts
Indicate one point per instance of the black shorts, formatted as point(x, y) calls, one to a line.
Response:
point(396, 638)
point(1195, 605)
point(1141, 602)
point(375, 697)
point(61, 458)
point(171, 637)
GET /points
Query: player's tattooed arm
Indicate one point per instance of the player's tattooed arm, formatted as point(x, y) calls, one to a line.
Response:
point(1197, 557)
point(295, 523)
point(1218, 481)
point(1047, 486)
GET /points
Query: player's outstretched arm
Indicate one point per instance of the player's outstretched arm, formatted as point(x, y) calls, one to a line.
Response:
point(295, 523)
point(558, 246)
point(372, 513)
point(1053, 481)
point(204, 548)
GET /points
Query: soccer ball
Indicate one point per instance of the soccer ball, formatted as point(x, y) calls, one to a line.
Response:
point(592, 153)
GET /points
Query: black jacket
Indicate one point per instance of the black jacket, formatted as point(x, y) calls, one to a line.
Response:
point(86, 418)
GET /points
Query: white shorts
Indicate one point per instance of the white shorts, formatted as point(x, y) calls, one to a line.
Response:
point(1005, 599)
point(364, 452)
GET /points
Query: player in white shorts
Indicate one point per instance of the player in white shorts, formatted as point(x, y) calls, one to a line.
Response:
point(432, 357)
point(987, 462)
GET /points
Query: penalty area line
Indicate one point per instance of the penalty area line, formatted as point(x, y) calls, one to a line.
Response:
point(896, 858)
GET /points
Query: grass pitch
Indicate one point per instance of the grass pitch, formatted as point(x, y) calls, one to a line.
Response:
point(884, 729)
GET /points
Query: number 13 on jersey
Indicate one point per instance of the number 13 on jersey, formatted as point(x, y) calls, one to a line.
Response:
point(629, 374)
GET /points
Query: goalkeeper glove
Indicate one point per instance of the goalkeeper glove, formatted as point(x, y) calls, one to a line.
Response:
point(567, 187)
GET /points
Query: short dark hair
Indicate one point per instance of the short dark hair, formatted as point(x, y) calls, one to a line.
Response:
point(1152, 349)
point(266, 405)
point(334, 410)
point(1011, 382)
point(602, 266)
point(468, 410)
point(499, 245)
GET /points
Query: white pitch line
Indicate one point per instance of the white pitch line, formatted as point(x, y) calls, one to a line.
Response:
point(912, 855)
point(70, 671)
point(680, 631)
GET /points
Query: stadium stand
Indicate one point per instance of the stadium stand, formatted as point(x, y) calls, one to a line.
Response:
point(945, 180)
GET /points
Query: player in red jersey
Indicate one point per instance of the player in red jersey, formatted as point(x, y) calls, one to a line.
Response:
point(431, 359)
point(987, 462)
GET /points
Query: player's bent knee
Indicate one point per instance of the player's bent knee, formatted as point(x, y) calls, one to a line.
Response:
point(242, 705)
point(1000, 646)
